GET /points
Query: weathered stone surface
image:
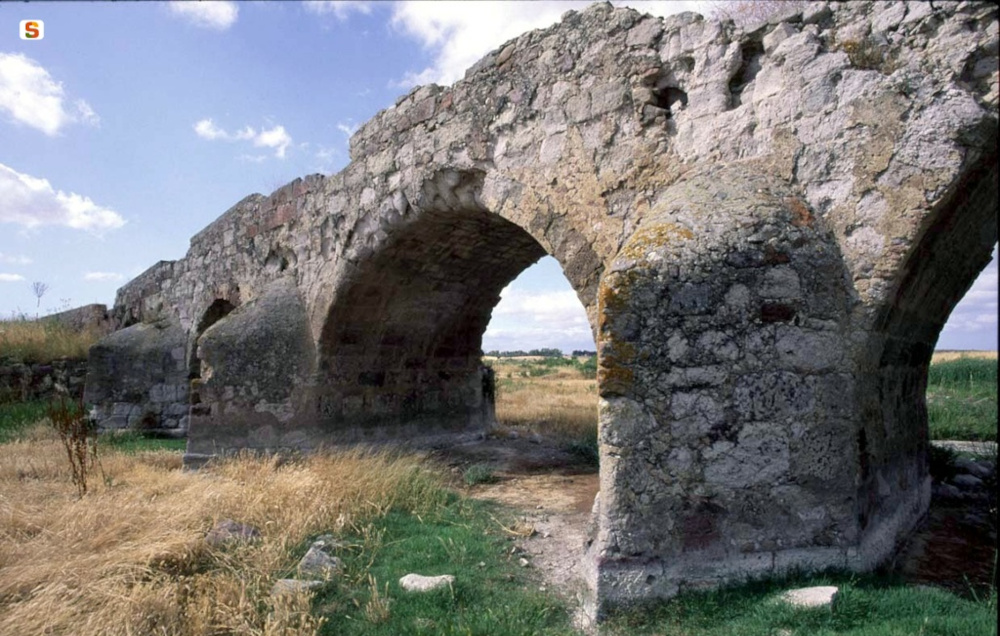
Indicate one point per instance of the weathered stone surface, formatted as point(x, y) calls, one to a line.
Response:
point(420, 583)
point(137, 377)
point(26, 382)
point(317, 564)
point(767, 227)
point(285, 587)
point(228, 532)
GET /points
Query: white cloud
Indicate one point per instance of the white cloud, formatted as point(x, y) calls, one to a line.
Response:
point(348, 128)
point(459, 33)
point(558, 308)
point(30, 96)
point(341, 9)
point(328, 159)
point(533, 320)
point(103, 276)
point(208, 130)
point(276, 138)
point(217, 15)
point(32, 202)
point(15, 259)
point(10, 278)
point(975, 316)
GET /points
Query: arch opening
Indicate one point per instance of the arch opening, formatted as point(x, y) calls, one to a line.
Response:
point(219, 309)
point(402, 345)
point(543, 353)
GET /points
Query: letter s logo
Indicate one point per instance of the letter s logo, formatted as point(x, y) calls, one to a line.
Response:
point(32, 29)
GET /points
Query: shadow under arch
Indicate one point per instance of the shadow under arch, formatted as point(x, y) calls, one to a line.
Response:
point(401, 345)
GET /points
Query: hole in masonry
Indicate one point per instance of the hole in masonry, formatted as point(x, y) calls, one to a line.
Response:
point(751, 54)
point(670, 98)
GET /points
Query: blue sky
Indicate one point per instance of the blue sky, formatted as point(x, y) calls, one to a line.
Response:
point(131, 126)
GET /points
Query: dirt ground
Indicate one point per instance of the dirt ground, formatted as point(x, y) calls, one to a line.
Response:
point(554, 491)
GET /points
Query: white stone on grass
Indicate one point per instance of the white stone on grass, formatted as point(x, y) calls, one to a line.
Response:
point(819, 596)
point(420, 583)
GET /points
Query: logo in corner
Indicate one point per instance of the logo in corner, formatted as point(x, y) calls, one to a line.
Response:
point(32, 29)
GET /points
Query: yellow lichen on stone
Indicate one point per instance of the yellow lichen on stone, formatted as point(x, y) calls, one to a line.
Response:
point(614, 375)
point(652, 237)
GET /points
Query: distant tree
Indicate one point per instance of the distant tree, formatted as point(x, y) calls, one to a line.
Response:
point(39, 289)
point(546, 353)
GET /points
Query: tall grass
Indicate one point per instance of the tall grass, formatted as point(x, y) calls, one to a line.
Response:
point(130, 557)
point(36, 341)
point(17, 416)
point(962, 399)
point(554, 398)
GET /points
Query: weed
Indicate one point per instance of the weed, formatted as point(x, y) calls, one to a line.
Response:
point(491, 594)
point(129, 441)
point(866, 604)
point(479, 474)
point(377, 605)
point(870, 55)
point(79, 437)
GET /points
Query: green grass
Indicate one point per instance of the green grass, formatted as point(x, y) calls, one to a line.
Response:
point(16, 416)
point(492, 595)
point(479, 474)
point(866, 606)
point(962, 399)
point(586, 447)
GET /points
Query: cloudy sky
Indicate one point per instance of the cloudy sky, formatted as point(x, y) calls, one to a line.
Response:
point(131, 126)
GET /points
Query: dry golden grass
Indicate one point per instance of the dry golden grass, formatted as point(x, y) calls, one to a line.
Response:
point(947, 356)
point(130, 558)
point(563, 402)
point(43, 341)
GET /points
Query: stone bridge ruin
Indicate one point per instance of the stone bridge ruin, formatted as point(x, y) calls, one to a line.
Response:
point(768, 228)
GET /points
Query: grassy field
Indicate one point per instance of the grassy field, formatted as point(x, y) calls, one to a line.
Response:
point(962, 396)
point(31, 341)
point(865, 606)
point(129, 557)
point(552, 396)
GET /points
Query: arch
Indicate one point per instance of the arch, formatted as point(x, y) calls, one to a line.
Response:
point(219, 309)
point(954, 245)
point(402, 342)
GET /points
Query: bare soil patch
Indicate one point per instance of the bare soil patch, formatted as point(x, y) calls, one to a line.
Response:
point(553, 491)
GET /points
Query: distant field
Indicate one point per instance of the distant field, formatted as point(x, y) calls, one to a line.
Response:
point(946, 355)
point(556, 396)
point(962, 396)
point(34, 341)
